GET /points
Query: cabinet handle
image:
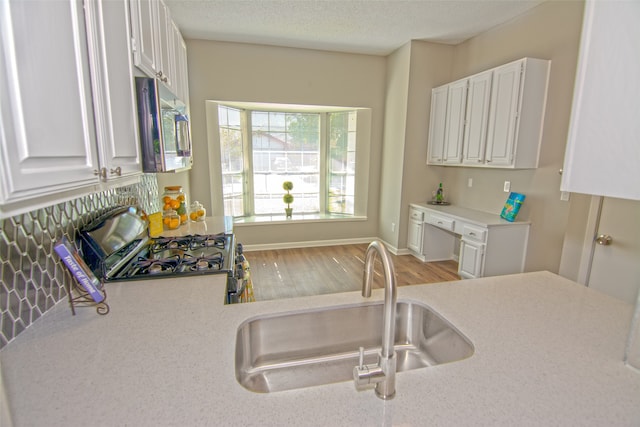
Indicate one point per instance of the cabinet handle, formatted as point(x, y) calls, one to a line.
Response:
point(471, 233)
point(102, 173)
point(117, 171)
point(439, 222)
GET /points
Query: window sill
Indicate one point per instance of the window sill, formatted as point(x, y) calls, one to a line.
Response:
point(296, 218)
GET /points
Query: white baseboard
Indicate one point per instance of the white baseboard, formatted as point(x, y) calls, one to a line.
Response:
point(309, 244)
point(317, 243)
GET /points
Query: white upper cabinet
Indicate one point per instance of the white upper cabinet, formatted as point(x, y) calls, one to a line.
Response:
point(167, 67)
point(454, 128)
point(475, 132)
point(501, 119)
point(144, 23)
point(516, 114)
point(47, 134)
point(58, 138)
point(603, 148)
point(158, 47)
point(446, 125)
point(437, 124)
point(182, 78)
point(113, 83)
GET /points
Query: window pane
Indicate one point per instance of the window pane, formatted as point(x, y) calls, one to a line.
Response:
point(232, 160)
point(286, 147)
point(341, 167)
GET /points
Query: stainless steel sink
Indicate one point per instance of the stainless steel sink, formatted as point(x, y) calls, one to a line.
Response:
point(303, 349)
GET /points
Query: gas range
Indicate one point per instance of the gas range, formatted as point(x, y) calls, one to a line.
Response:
point(117, 247)
point(187, 255)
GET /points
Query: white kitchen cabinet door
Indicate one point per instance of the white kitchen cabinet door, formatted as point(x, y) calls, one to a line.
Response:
point(414, 238)
point(47, 135)
point(114, 91)
point(165, 47)
point(516, 113)
point(144, 24)
point(454, 131)
point(505, 96)
point(603, 149)
point(471, 259)
point(437, 124)
point(152, 40)
point(475, 133)
point(182, 75)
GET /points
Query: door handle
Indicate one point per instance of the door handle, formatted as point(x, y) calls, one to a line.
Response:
point(604, 239)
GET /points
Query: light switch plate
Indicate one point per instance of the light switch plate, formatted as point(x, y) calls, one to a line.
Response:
point(507, 186)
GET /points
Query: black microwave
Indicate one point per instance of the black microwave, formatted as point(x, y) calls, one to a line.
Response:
point(164, 128)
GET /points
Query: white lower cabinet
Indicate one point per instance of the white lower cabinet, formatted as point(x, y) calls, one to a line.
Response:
point(470, 261)
point(483, 243)
point(414, 238)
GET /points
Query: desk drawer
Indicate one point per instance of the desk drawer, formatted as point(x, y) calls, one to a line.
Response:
point(441, 221)
point(474, 233)
point(416, 214)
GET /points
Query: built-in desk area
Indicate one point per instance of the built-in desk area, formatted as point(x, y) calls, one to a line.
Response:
point(484, 243)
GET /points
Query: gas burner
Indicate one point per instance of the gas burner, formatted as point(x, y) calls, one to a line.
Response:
point(217, 241)
point(143, 266)
point(155, 268)
point(203, 263)
point(170, 243)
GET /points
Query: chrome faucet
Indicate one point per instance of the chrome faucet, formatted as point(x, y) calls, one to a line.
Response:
point(383, 373)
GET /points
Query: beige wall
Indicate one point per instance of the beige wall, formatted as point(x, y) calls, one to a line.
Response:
point(549, 31)
point(397, 88)
point(252, 73)
point(395, 126)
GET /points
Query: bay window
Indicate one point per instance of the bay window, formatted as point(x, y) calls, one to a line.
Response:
point(316, 149)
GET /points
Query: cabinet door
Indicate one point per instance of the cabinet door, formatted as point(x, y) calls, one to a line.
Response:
point(454, 132)
point(165, 46)
point(113, 84)
point(603, 150)
point(471, 257)
point(414, 238)
point(475, 132)
point(47, 135)
point(181, 77)
point(437, 124)
point(503, 114)
point(143, 29)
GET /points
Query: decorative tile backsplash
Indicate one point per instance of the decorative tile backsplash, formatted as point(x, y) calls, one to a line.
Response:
point(32, 277)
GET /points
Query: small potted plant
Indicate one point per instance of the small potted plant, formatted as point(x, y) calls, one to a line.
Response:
point(288, 198)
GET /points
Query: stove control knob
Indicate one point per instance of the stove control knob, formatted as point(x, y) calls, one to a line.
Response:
point(239, 249)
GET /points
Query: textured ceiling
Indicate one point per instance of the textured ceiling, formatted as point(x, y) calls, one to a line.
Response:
point(375, 27)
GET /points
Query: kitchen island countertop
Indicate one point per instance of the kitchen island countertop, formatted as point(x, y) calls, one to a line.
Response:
point(547, 352)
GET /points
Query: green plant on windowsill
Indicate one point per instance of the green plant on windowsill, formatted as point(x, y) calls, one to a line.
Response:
point(288, 198)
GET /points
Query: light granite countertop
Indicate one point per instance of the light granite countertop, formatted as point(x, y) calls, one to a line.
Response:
point(547, 352)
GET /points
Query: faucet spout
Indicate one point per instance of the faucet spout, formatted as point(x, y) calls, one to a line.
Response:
point(384, 373)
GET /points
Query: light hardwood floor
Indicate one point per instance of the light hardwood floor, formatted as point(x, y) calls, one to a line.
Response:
point(287, 273)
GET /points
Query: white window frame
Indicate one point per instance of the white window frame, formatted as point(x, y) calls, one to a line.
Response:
point(362, 155)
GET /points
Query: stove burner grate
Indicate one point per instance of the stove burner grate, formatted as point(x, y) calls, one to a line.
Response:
point(203, 263)
point(143, 266)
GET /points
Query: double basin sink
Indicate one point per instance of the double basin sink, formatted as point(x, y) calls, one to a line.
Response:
point(315, 347)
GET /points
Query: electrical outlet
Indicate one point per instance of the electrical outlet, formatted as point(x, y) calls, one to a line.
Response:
point(507, 186)
point(564, 196)
point(470, 183)
point(393, 227)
